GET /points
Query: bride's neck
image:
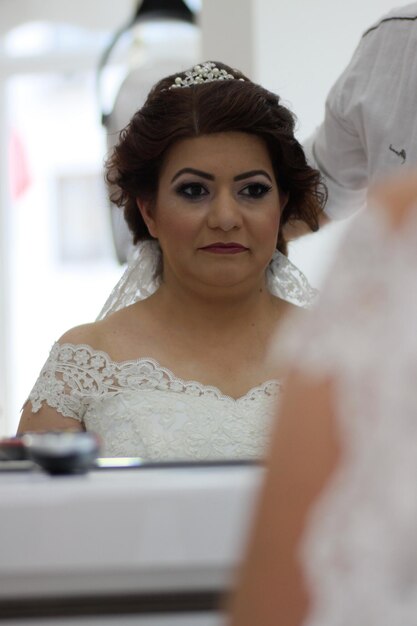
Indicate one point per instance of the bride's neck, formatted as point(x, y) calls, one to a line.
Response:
point(217, 308)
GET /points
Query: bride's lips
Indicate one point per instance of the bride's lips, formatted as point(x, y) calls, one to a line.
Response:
point(224, 248)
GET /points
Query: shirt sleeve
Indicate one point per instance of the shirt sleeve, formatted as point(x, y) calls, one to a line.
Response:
point(340, 158)
point(370, 125)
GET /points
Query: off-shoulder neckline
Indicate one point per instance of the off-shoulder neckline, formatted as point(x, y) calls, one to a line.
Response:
point(173, 378)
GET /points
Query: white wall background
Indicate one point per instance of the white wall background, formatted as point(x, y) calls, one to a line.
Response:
point(294, 47)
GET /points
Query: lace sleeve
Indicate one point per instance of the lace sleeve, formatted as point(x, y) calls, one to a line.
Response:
point(358, 552)
point(63, 383)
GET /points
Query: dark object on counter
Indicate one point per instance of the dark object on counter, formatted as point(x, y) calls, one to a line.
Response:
point(62, 452)
point(12, 449)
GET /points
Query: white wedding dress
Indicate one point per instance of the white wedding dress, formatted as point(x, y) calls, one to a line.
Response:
point(360, 550)
point(140, 408)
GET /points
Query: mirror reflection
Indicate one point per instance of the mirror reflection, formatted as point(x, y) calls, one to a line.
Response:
point(208, 173)
point(59, 200)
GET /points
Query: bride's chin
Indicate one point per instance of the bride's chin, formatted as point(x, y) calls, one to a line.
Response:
point(230, 284)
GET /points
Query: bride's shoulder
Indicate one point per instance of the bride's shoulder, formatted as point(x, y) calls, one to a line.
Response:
point(104, 334)
point(85, 334)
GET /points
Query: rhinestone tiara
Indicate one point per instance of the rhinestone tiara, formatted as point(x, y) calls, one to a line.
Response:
point(207, 72)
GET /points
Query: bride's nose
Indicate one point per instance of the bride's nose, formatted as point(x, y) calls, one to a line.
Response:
point(224, 213)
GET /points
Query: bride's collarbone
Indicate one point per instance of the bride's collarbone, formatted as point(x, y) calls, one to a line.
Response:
point(227, 366)
point(234, 379)
point(215, 363)
point(233, 367)
point(131, 335)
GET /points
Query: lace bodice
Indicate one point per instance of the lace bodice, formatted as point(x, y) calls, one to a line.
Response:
point(140, 408)
point(360, 550)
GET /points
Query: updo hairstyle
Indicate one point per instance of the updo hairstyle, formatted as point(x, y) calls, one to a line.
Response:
point(171, 114)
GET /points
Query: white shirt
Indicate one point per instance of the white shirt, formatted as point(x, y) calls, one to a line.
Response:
point(370, 124)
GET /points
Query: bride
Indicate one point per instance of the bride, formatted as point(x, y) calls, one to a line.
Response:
point(208, 173)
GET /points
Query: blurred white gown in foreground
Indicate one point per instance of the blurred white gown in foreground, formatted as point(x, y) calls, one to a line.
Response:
point(360, 551)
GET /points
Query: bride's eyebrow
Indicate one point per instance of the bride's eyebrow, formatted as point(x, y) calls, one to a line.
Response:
point(252, 173)
point(207, 176)
point(191, 170)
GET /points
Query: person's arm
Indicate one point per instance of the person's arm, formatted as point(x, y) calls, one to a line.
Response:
point(336, 149)
point(305, 450)
point(339, 156)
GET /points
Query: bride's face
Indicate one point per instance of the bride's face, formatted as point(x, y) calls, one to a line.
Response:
point(217, 211)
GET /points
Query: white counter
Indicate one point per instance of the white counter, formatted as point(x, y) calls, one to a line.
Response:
point(137, 533)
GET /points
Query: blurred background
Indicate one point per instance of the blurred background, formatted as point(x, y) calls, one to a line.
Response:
point(71, 75)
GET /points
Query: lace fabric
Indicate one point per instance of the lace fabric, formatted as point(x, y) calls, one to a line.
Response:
point(359, 552)
point(141, 408)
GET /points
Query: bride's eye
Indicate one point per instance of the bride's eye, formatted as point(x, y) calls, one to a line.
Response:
point(193, 191)
point(256, 190)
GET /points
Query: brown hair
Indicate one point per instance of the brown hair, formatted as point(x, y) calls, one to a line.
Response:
point(168, 115)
